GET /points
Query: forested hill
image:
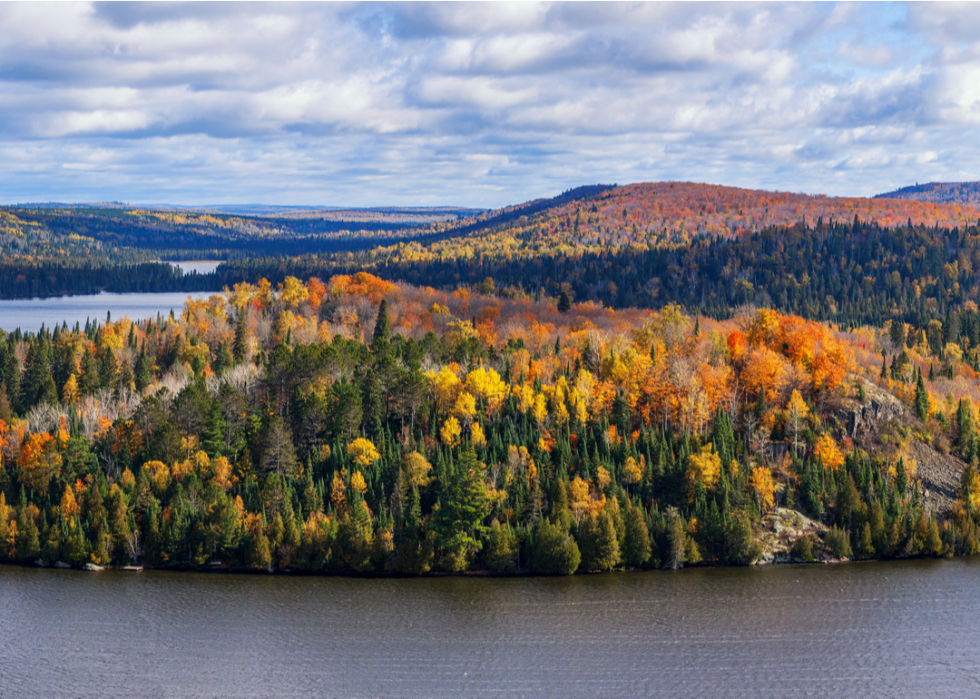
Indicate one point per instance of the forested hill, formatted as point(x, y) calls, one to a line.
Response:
point(939, 193)
point(672, 213)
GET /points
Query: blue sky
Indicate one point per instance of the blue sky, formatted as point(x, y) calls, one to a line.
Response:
point(479, 105)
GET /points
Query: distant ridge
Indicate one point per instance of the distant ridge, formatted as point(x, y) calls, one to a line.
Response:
point(938, 193)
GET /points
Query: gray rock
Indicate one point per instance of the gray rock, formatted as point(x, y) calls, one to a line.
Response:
point(92, 567)
point(62, 564)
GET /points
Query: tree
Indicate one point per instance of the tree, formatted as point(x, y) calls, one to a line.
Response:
point(554, 551)
point(636, 549)
point(382, 326)
point(703, 468)
point(826, 450)
point(921, 401)
point(363, 452)
point(278, 453)
point(39, 460)
point(598, 543)
point(797, 411)
point(501, 548)
point(463, 505)
point(564, 302)
point(762, 483)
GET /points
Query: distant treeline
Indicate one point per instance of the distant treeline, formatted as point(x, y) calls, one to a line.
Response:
point(853, 273)
point(46, 279)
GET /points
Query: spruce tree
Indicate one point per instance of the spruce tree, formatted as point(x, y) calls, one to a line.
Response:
point(921, 398)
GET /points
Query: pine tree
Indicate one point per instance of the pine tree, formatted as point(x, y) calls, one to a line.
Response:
point(921, 398)
point(240, 346)
point(636, 547)
point(142, 376)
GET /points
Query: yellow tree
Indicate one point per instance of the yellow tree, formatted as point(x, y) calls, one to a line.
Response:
point(703, 468)
point(828, 452)
point(39, 460)
point(358, 483)
point(417, 468)
point(292, 292)
point(69, 392)
point(363, 452)
point(450, 432)
point(765, 488)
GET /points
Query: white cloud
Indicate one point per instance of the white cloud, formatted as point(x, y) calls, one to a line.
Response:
point(481, 104)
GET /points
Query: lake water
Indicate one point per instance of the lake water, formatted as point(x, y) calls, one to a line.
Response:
point(199, 266)
point(29, 314)
point(876, 629)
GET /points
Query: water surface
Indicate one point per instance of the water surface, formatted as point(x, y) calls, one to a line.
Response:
point(879, 629)
point(196, 266)
point(29, 314)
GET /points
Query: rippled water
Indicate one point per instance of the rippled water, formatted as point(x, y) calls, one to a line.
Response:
point(895, 629)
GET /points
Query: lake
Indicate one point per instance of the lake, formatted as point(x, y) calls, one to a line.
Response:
point(865, 629)
point(196, 266)
point(29, 314)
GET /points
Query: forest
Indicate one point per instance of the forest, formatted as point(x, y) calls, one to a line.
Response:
point(646, 376)
point(362, 426)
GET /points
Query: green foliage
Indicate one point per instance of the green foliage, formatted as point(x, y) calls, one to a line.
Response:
point(554, 551)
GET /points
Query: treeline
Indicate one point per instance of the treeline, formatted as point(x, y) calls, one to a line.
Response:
point(222, 436)
point(69, 278)
point(851, 273)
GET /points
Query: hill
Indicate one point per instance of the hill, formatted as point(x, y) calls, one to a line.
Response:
point(939, 193)
point(673, 212)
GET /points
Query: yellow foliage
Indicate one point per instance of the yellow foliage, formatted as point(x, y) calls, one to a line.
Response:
point(703, 468)
point(222, 470)
point(477, 436)
point(358, 483)
point(765, 488)
point(450, 432)
point(338, 490)
point(465, 407)
point(828, 452)
point(632, 473)
point(39, 460)
point(488, 386)
point(158, 473)
point(127, 479)
point(363, 452)
point(292, 292)
point(69, 506)
point(602, 477)
point(417, 468)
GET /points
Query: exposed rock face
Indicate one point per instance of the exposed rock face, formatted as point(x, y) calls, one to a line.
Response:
point(939, 476)
point(865, 419)
point(780, 528)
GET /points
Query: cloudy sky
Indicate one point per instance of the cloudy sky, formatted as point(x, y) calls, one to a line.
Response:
point(480, 105)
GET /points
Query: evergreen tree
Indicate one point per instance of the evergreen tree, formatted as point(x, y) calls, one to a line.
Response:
point(636, 547)
point(598, 543)
point(555, 551)
point(921, 401)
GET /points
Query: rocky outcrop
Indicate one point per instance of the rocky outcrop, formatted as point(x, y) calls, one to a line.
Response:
point(868, 418)
point(939, 477)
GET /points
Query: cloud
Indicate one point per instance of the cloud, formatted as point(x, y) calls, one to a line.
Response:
point(478, 104)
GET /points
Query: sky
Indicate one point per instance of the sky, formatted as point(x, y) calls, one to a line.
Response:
point(479, 105)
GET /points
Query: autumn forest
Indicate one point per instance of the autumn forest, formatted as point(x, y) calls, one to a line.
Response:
point(649, 376)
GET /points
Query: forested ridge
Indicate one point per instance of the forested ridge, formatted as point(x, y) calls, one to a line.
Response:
point(354, 425)
point(654, 375)
point(852, 273)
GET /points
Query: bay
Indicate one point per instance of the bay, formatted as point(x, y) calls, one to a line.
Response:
point(880, 629)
